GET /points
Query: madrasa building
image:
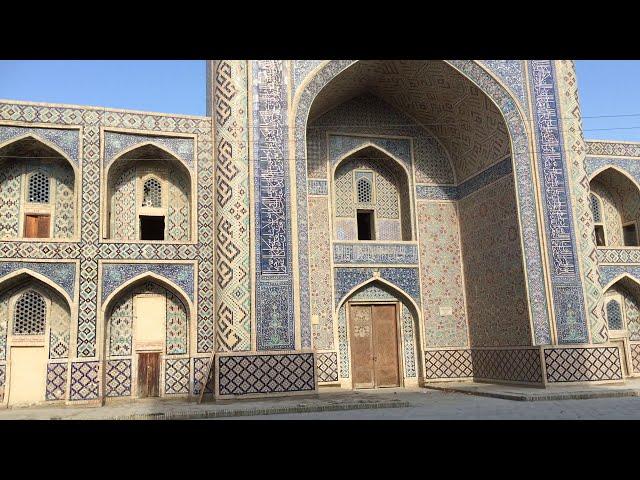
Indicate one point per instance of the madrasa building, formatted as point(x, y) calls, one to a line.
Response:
point(329, 224)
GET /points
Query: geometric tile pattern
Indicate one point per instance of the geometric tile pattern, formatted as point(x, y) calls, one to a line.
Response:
point(613, 255)
point(89, 250)
point(582, 364)
point(515, 365)
point(408, 340)
point(233, 282)
point(635, 357)
point(563, 256)
point(496, 296)
point(200, 368)
point(176, 376)
point(84, 380)
point(448, 364)
point(56, 381)
point(327, 367)
point(269, 373)
point(273, 270)
point(118, 378)
point(3, 375)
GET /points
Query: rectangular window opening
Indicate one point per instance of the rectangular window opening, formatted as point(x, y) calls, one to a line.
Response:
point(151, 227)
point(36, 226)
point(599, 235)
point(365, 225)
point(630, 235)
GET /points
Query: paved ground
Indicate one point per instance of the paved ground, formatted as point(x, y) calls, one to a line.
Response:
point(437, 405)
point(414, 404)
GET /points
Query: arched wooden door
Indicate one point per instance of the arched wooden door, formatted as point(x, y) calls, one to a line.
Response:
point(374, 345)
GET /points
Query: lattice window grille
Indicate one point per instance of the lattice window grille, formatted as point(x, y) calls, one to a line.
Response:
point(364, 190)
point(614, 315)
point(152, 193)
point(39, 188)
point(596, 210)
point(30, 314)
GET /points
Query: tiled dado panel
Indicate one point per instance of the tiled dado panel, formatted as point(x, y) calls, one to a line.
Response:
point(523, 365)
point(520, 365)
point(264, 373)
point(635, 357)
point(327, 367)
point(582, 364)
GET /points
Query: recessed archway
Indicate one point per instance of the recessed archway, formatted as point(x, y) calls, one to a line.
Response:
point(147, 334)
point(38, 191)
point(468, 205)
point(128, 214)
point(35, 339)
point(615, 206)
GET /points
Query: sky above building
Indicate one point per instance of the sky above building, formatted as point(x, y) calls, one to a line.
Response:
point(609, 93)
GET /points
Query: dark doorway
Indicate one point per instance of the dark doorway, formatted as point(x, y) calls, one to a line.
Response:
point(630, 236)
point(365, 225)
point(151, 227)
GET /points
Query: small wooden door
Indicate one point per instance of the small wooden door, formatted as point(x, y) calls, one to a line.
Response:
point(148, 374)
point(374, 346)
point(36, 226)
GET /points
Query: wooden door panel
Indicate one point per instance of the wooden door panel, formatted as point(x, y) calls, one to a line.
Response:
point(148, 374)
point(31, 226)
point(361, 337)
point(43, 226)
point(385, 346)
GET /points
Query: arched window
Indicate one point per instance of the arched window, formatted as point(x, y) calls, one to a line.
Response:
point(152, 193)
point(614, 315)
point(596, 209)
point(363, 188)
point(38, 188)
point(30, 314)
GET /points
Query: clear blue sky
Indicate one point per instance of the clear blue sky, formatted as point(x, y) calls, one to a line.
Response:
point(606, 88)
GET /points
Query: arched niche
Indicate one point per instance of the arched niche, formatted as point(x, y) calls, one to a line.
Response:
point(615, 206)
point(370, 186)
point(128, 217)
point(38, 192)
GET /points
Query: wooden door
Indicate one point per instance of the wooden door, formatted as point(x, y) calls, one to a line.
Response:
point(385, 346)
point(36, 226)
point(148, 374)
point(361, 337)
point(374, 346)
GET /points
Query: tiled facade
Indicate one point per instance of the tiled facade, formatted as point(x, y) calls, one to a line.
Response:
point(479, 183)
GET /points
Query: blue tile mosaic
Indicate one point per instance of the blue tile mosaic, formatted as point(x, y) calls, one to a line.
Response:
point(115, 143)
point(63, 274)
point(567, 285)
point(274, 278)
point(405, 278)
point(115, 274)
point(65, 139)
point(340, 145)
point(385, 253)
